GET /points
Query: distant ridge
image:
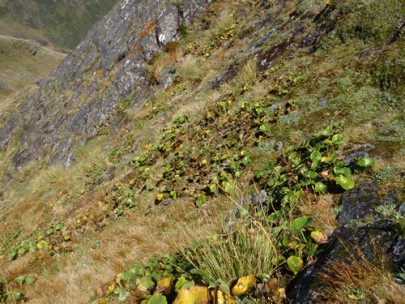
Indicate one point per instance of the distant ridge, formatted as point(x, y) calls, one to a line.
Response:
point(62, 23)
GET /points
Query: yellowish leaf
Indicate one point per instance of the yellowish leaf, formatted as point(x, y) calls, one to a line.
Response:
point(194, 295)
point(281, 293)
point(223, 298)
point(244, 285)
point(110, 289)
point(164, 285)
point(319, 237)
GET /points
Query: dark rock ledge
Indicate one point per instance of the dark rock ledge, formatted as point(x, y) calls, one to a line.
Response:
point(353, 235)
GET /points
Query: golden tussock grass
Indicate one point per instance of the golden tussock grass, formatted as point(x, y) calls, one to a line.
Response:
point(357, 280)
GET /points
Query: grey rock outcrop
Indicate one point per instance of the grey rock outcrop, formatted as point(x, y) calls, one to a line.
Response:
point(64, 110)
point(193, 9)
point(358, 203)
point(149, 46)
point(168, 25)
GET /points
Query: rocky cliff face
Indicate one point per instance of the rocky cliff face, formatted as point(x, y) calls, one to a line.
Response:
point(64, 110)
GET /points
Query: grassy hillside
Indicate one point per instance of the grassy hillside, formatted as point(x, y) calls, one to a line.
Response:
point(268, 97)
point(62, 24)
point(22, 62)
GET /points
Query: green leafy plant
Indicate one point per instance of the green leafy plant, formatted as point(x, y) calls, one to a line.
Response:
point(24, 280)
point(314, 165)
point(146, 278)
point(8, 294)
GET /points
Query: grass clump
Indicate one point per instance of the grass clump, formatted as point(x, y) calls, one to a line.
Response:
point(191, 70)
point(247, 250)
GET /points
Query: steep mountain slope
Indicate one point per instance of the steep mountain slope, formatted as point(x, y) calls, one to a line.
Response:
point(62, 24)
point(168, 115)
point(105, 68)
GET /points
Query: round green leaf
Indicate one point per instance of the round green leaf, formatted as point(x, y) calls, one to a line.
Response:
point(146, 284)
point(21, 251)
point(122, 294)
point(316, 156)
point(20, 280)
point(228, 187)
point(295, 264)
point(157, 298)
point(200, 200)
point(213, 188)
point(300, 223)
point(42, 244)
point(293, 155)
point(337, 139)
point(366, 162)
point(127, 275)
point(311, 174)
point(29, 280)
point(344, 171)
point(180, 282)
point(246, 160)
point(272, 182)
point(265, 128)
point(274, 216)
point(346, 183)
point(320, 188)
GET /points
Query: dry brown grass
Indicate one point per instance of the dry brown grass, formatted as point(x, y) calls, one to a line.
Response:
point(320, 208)
point(357, 280)
point(98, 257)
point(191, 69)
